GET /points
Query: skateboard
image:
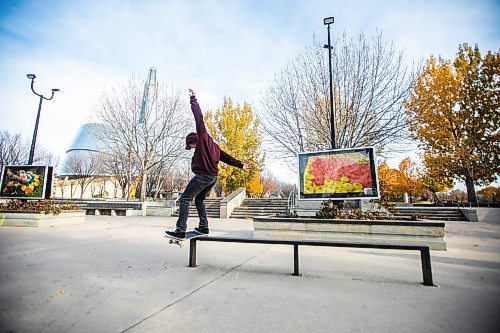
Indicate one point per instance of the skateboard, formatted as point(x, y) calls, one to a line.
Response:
point(180, 243)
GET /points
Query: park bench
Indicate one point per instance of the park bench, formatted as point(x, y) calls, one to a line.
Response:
point(112, 208)
point(425, 257)
point(109, 211)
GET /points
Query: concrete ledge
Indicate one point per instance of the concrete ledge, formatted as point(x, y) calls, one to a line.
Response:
point(378, 232)
point(159, 211)
point(482, 214)
point(229, 203)
point(40, 219)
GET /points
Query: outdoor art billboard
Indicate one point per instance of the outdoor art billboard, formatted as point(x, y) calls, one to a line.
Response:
point(26, 182)
point(338, 174)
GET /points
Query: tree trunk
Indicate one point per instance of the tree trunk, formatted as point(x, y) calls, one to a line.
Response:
point(471, 191)
point(159, 187)
point(143, 185)
point(437, 202)
point(124, 191)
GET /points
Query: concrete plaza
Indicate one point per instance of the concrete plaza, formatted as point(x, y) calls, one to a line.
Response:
point(118, 274)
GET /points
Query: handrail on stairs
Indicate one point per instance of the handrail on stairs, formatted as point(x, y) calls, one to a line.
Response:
point(290, 204)
point(175, 203)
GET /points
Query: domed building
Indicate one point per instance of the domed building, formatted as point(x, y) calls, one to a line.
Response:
point(81, 161)
point(85, 145)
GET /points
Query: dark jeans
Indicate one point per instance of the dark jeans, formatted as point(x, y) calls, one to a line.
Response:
point(198, 188)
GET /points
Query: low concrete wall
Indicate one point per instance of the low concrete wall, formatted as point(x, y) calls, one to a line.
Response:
point(480, 214)
point(40, 219)
point(361, 231)
point(229, 203)
point(308, 204)
point(159, 211)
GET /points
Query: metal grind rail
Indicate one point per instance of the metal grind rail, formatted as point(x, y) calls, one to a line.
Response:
point(425, 257)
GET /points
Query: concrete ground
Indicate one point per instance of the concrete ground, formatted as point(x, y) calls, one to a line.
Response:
point(118, 274)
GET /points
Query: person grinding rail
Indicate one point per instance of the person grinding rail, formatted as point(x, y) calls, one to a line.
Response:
point(204, 165)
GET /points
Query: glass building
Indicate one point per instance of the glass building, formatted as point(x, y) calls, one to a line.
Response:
point(85, 144)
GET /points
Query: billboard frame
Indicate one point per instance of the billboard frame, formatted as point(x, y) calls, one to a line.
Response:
point(46, 171)
point(375, 189)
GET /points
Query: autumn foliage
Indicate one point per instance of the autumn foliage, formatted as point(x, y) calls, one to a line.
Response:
point(254, 187)
point(406, 179)
point(489, 193)
point(453, 112)
point(235, 129)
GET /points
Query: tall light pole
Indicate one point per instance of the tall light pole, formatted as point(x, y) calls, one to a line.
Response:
point(327, 21)
point(33, 142)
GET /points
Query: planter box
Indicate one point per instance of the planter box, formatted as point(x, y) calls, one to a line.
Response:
point(40, 219)
point(356, 231)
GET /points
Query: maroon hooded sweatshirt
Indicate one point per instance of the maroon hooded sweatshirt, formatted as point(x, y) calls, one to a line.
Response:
point(207, 153)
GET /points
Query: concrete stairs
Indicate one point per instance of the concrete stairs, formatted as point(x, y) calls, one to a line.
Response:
point(260, 207)
point(429, 213)
point(212, 207)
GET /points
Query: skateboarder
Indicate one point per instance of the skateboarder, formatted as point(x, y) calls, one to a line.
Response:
point(207, 155)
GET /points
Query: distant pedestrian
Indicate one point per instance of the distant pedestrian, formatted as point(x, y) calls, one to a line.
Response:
point(204, 165)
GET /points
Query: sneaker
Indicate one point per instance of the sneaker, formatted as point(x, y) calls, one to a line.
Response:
point(201, 231)
point(179, 235)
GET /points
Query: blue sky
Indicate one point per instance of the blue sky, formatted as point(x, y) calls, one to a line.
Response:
point(219, 48)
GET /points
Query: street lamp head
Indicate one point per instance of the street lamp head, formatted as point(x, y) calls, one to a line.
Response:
point(55, 89)
point(31, 76)
point(328, 20)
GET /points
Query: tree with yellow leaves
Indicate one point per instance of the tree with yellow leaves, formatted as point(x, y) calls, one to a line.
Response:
point(490, 193)
point(389, 182)
point(254, 186)
point(454, 112)
point(409, 178)
point(235, 129)
point(433, 180)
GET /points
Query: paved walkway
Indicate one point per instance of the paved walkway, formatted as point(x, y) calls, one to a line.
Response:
point(118, 274)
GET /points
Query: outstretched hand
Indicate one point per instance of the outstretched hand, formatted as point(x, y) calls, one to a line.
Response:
point(247, 166)
point(191, 92)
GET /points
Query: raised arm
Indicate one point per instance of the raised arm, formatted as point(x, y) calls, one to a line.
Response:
point(198, 116)
point(228, 159)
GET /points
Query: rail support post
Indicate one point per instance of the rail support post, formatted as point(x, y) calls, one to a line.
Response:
point(296, 260)
point(192, 253)
point(425, 259)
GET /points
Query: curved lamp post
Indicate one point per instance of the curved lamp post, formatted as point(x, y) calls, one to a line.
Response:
point(327, 21)
point(33, 142)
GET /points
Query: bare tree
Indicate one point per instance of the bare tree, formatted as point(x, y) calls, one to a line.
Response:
point(156, 138)
point(285, 189)
point(44, 157)
point(371, 82)
point(157, 178)
point(119, 168)
point(269, 182)
point(84, 169)
point(73, 185)
point(14, 151)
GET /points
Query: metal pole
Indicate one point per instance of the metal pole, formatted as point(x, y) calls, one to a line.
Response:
point(425, 259)
point(332, 114)
point(33, 141)
point(296, 260)
point(192, 253)
point(35, 132)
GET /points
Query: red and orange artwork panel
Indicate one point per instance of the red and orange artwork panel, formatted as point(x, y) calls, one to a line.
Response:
point(338, 174)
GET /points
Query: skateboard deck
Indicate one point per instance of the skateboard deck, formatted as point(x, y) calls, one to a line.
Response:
point(180, 243)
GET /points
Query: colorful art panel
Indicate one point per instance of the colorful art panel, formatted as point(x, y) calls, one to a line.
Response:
point(25, 182)
point(338, 174)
